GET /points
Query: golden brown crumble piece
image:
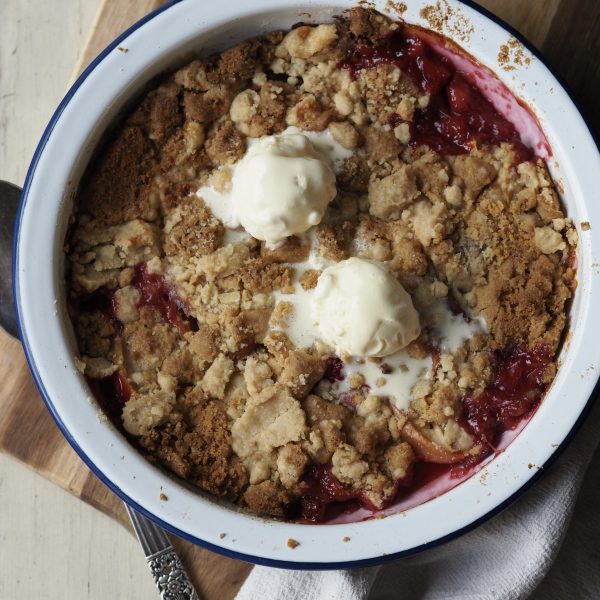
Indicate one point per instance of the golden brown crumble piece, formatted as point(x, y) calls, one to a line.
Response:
point(278, 344)
point(266, 498)
point(305, 41)
point(293, 250)
point(366, 23)
point(326, 421)
point(183, 158)
point(381, 144)
point(355, 174)
point(204, 343)
point(535, 312)
point(301, 371)
point(191, 230)
point(258, 374)
point(291, 463)
point(204, 107)
point(262, 113)
point(333, 241)
point(237, 335)
point(261, 276)
point(96, 334)
point(475, 173)
point(281, 314)
point(199, 448)
point(309, 115)
point(433, 176)
point(372, 239)
point(221, 180)
point(239, 62)
point(164, 112)
point(292, 543)
point(369, 432)
point(146, 411)
point(113, 193)
point(408, 258)
point(256, 321)
point(197, 75)
point(96, 367)
point(182, 365)
point(125, 301)
point(308, 279)
point(148, 341)
point(224, 143)
point(345, 134)
point(217, 377)
point(397, 460)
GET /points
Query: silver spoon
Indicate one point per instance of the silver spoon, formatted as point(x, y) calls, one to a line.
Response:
point(167, 570)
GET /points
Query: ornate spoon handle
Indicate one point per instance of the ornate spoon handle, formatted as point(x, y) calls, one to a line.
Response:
point(169, 574)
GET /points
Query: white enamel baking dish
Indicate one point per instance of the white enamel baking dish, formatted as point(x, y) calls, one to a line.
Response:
point(166, 38)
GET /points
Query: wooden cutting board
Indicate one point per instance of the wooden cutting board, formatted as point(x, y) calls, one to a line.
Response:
point(565, 30)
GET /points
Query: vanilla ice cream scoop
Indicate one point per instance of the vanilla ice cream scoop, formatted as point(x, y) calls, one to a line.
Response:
point(361, 309)
point(282, 187)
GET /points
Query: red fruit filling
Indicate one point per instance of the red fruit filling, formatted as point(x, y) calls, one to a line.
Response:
point(154, 292)
point(457, 115)
point(324, 496)
point(334, 369)
point(112, 393)
point(157, 293)
point(517, 388)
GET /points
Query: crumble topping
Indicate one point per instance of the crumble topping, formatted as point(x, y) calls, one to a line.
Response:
point(206, 327)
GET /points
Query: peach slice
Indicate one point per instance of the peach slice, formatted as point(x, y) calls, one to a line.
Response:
point(429, 451)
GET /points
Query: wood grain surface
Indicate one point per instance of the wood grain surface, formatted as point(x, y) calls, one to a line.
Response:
point(567, 33)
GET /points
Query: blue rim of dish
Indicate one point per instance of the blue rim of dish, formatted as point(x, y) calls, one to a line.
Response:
point(283, 564)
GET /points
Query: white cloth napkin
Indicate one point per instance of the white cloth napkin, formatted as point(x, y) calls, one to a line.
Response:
point(517, 554)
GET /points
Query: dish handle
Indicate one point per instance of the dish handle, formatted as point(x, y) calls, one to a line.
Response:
point(9, 201)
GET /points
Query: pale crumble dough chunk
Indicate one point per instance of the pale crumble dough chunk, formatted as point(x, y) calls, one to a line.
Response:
point(126, 300)
point(345, 134)
point(548, 240)
point(301, 371)
point(217, 376)
point(257, 375)
point(98, 367)
point(348, 466)
point(145, 411)
point(243, 108)
point(291, 463)
point(390, 195)
point(271, 420)
point(304, 41)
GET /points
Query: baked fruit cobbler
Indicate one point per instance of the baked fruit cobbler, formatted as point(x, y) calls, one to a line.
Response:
point(303, 268)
